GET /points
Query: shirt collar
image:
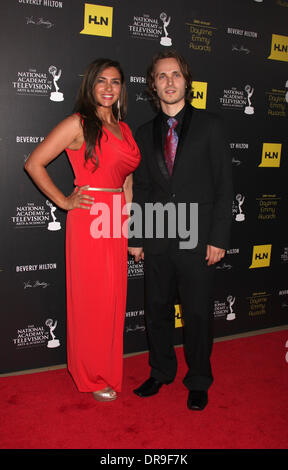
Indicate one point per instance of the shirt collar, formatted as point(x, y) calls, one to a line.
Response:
point(178, 116)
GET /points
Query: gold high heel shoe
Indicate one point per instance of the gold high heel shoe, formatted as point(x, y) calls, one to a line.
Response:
point(106, 394)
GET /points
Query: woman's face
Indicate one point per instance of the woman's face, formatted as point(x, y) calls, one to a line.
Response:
point(107, 87)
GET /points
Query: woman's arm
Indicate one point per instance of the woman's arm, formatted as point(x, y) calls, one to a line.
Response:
point(67, 133)
point(127, 187)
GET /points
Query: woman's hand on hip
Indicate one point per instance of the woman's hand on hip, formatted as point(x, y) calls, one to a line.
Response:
point(79, 200)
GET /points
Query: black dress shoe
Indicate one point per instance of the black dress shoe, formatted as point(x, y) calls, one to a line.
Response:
point(148, 388)
point(197, 400)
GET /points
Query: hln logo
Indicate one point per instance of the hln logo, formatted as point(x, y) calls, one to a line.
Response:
point(271, 155)
point(261, 256)
point(279, 48)
point(97, 20)
point(199, 96)
point(178, 316)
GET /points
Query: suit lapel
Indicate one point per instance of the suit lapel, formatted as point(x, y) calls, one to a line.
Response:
point(157, 135)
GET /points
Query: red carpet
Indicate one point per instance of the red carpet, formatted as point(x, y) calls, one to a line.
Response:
point(247, 406)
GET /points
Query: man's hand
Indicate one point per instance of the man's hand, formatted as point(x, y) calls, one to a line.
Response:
point(214, 254)
point(138, 253)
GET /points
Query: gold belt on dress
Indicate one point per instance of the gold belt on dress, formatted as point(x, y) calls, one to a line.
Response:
point(110, 190)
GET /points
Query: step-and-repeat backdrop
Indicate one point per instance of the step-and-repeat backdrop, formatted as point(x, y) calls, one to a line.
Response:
point(238, 52)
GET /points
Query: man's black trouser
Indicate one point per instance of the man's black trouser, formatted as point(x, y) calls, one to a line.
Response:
point(180, 272)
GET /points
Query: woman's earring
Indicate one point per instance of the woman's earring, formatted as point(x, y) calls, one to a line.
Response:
point(118, 110)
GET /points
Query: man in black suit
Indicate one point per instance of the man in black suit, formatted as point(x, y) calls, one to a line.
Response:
point(191, 168)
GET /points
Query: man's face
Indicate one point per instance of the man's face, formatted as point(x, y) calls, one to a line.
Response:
point(169, 81)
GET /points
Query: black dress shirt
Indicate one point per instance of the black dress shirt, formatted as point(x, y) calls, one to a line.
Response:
point(165, 128)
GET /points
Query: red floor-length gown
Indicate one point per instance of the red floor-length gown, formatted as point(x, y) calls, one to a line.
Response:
point(96, 268)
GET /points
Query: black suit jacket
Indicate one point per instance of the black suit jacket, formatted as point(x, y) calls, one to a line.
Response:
point(202, 174)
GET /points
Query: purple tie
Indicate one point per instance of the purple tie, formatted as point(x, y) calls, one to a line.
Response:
point(171, 144)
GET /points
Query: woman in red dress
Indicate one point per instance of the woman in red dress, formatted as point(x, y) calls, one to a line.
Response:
point(103, 155)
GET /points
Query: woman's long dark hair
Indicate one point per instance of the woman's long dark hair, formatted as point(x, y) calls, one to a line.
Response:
point(86, 106)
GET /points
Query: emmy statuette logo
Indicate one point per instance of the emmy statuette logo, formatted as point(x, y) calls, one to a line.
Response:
point(240, 216)
point(231, 315)
point(249, 109)
point(54, 342)
point(165, 40)
point(53, 226)
point(55, 95)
